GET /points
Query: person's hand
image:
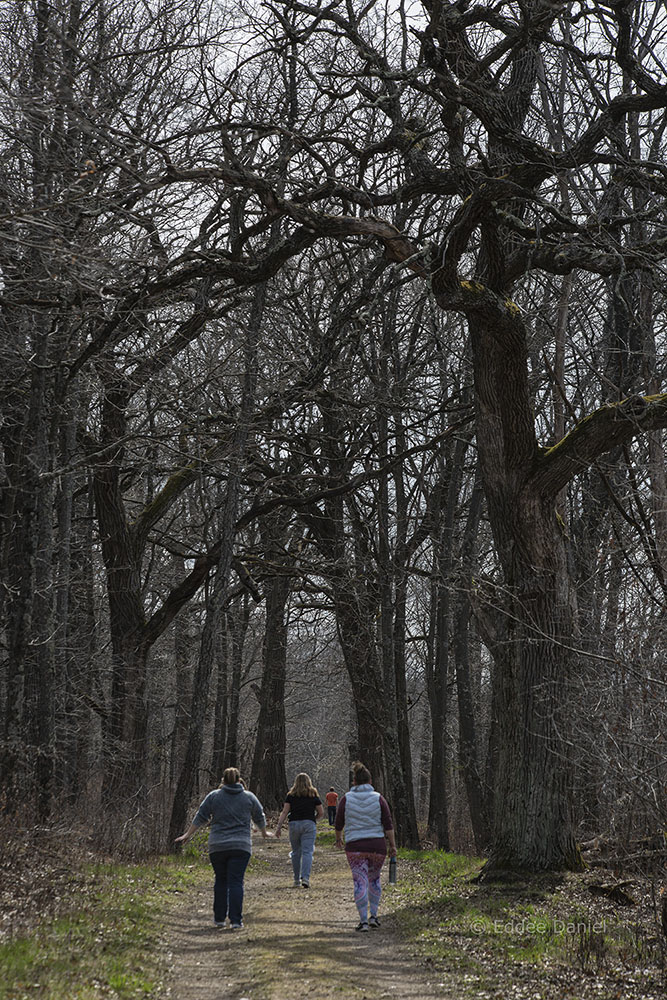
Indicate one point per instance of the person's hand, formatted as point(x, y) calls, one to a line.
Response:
point(393, 852)
point(267, 834)
point(277, 833)
point(339, 843)
point(183, 839)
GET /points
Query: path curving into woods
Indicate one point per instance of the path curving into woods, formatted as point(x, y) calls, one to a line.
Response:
point(296, 942)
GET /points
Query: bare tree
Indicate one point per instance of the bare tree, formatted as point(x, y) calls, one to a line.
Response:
point(473, 75)
point(361, 167)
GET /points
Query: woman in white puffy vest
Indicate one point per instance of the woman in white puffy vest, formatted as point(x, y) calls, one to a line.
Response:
point(364, 815)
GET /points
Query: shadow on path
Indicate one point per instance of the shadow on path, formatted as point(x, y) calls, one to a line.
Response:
point(295, 943)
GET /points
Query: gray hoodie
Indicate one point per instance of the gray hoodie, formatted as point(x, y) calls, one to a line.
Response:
point(230, 810)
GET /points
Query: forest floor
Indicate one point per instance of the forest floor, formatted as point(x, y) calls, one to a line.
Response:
point(442, 935)
point(75, 926)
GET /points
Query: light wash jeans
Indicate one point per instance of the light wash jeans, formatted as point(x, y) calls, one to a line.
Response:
point(302, 838)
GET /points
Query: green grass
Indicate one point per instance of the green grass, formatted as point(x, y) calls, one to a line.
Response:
point(461, 925)
point(442, 865)
point(451, 919)
point(326, 835)
point(109, 943)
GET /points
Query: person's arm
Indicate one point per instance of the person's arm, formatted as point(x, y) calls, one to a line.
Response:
point(340, 823)
point(388, 826)
point(258, 817)
point(189, 833)
point(202, 817)
point(281, 819)
point(319, 811)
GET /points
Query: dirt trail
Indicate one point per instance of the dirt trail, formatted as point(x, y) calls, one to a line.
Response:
point(296, 942)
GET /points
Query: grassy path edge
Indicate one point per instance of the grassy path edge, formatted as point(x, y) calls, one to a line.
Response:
point(104, 940)
point(103, 933)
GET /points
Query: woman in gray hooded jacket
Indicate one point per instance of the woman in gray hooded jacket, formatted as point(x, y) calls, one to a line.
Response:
point(229, 809)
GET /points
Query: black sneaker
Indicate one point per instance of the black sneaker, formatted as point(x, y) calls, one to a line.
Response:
point(373, 922)
point(305, 883)
point(237, 927)
point(362, 926)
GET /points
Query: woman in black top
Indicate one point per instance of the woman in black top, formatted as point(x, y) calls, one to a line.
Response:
point(304, 807)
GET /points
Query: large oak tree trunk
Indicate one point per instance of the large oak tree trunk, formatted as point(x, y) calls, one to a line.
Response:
point(533, 780)
point(533, 826)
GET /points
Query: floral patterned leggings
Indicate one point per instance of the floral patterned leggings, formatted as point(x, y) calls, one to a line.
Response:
point(366, 868)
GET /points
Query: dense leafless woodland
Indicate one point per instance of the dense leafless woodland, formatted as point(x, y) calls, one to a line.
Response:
point(332, 407)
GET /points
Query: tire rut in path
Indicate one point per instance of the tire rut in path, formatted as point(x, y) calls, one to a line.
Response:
point(295, 942)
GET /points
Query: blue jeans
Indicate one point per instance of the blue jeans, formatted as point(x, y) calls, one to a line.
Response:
point(229, 868)
point(302, 838)
point(332, 815)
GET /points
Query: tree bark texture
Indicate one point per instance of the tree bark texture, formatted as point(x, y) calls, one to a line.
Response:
point(533, 823)
point(469, 754)
point(268, 777)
